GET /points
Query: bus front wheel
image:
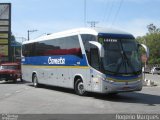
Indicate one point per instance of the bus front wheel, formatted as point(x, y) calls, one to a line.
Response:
point(35, 81)
point(79, 87)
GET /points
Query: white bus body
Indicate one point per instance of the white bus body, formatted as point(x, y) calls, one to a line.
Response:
point(84, 60)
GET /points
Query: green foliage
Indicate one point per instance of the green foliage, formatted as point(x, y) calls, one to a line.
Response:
point(152, 40)
point(153, 29)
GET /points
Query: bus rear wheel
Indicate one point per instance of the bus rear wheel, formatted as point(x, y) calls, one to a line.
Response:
point(79, 88)
point(35, 81)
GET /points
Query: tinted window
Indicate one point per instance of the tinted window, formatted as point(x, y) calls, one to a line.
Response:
point(61, 46)
point(157, 69)
point(94, 57)
point(28, 49)
point(91, 50)
point(86, 38)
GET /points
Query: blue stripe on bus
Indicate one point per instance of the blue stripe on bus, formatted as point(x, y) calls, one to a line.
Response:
point(124, 77)
point(58, 60)
point(118, 36)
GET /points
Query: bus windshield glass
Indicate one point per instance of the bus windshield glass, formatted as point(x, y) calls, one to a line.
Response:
point(121, 56)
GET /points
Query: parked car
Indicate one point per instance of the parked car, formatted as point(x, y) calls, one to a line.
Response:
point(155, 70)
point(10, 71)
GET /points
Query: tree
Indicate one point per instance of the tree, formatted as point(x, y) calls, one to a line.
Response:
point(153, 29)
point(15, 49)
point(152, 40)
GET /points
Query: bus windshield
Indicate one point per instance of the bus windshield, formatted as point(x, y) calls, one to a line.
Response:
point(121, 56)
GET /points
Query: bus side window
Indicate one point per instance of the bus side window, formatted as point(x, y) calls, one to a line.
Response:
point(94, 57)
point(85, 39)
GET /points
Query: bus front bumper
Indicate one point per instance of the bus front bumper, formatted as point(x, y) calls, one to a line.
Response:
point(117, 87)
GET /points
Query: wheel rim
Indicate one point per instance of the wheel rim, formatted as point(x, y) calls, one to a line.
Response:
point(81, 88)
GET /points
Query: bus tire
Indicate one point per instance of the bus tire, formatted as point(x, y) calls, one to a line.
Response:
point(79, 87)
point(35, 81)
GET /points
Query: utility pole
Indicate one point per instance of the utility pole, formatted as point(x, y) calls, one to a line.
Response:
point(92, 23)
point(29, 31)
point(85, 6)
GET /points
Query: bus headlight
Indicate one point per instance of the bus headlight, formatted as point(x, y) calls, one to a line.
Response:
point(109, 81)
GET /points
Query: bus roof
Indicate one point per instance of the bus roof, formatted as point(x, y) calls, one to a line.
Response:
point(71, 32)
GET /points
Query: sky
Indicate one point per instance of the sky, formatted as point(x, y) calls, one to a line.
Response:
point(50, 16)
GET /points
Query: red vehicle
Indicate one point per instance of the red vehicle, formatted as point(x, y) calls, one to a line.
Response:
point(10, 71)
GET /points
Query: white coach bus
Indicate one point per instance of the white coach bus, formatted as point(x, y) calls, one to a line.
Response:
point(86, 60)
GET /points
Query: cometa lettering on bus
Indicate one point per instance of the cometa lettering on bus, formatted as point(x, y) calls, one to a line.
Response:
point(56, 61)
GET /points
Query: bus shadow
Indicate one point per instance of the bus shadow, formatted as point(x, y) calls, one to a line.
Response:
point(130, 97)
point(133, 97)
point(55, 88)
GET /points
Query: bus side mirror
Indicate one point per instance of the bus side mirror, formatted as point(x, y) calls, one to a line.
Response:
point(99, 46)
point(146, 49)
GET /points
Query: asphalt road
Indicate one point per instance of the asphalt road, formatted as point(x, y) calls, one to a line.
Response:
point(23, 98)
